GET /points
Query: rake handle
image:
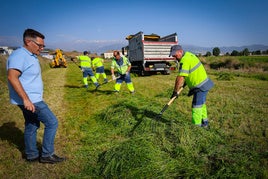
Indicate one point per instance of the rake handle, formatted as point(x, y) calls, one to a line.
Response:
point(170, 101)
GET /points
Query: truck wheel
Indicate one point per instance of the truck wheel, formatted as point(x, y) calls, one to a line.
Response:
point(166, 72)
point(142, 73)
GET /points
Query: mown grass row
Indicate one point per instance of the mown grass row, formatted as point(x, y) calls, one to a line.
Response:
point(120, 136)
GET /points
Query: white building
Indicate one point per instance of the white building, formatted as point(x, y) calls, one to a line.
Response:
point(46, 55)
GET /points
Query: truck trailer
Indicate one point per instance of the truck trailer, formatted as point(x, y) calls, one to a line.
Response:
point(149, 54)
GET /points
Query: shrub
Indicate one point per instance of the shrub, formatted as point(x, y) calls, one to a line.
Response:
point(225, 76)
point(229, 63)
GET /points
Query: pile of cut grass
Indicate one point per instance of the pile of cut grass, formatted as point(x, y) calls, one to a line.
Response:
point(126, 139)
point(134, 145)
point(119, 136)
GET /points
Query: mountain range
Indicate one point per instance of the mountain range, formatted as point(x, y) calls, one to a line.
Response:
point(104, 47)
point(101, 46)
point(224, 49)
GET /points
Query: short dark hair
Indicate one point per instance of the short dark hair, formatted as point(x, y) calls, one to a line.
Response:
point(116, 52)
point(32, 34)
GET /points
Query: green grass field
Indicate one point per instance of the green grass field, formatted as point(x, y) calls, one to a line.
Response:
point(107, 135)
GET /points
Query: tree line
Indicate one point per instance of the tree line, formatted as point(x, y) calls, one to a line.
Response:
point(216, 52)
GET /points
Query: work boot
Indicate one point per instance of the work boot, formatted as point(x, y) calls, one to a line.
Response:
point(116, 92)
point(204, 124)
point(105, 81)
point(52, 159)
point(97, 86)
point(33, 159)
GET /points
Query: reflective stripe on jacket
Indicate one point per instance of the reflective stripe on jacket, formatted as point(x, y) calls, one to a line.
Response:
point(97, 62)
point(193, 71)
point(121, 65)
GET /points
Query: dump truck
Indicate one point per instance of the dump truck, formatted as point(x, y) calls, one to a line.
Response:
point(149, 54)
point(59, 60)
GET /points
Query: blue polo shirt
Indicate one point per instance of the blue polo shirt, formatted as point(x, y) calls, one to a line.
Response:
point(31, 79)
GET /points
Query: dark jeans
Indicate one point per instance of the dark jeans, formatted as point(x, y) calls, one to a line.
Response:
point(87, 72)
point(199, 99)
point(100, 69)
point(125, 77)
point(32, 123)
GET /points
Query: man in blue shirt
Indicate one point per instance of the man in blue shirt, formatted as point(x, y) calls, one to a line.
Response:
point(26, 90)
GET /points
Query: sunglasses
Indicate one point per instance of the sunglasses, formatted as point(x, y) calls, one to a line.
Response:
point(39, 45)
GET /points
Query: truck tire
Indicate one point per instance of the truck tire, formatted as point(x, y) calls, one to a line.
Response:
point(166, 72)
point(142, 73)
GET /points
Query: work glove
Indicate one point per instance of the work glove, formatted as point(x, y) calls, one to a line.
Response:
point(113, 77)
point(175, 94)
point(193, 91)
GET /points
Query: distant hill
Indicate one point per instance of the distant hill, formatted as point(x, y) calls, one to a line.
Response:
point(203, 50)
point(105, 45)
point(192, 48)
point(105, 48)
point(98, 47)
point(254, 47)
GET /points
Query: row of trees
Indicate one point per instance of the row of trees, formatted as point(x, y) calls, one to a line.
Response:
point(216, 52)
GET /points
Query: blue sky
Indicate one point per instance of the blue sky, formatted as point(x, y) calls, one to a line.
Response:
point(68, 24)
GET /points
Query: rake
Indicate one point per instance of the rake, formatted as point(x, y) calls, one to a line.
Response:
point(169, 103)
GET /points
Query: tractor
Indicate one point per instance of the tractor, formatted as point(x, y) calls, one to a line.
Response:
point(59, 60)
